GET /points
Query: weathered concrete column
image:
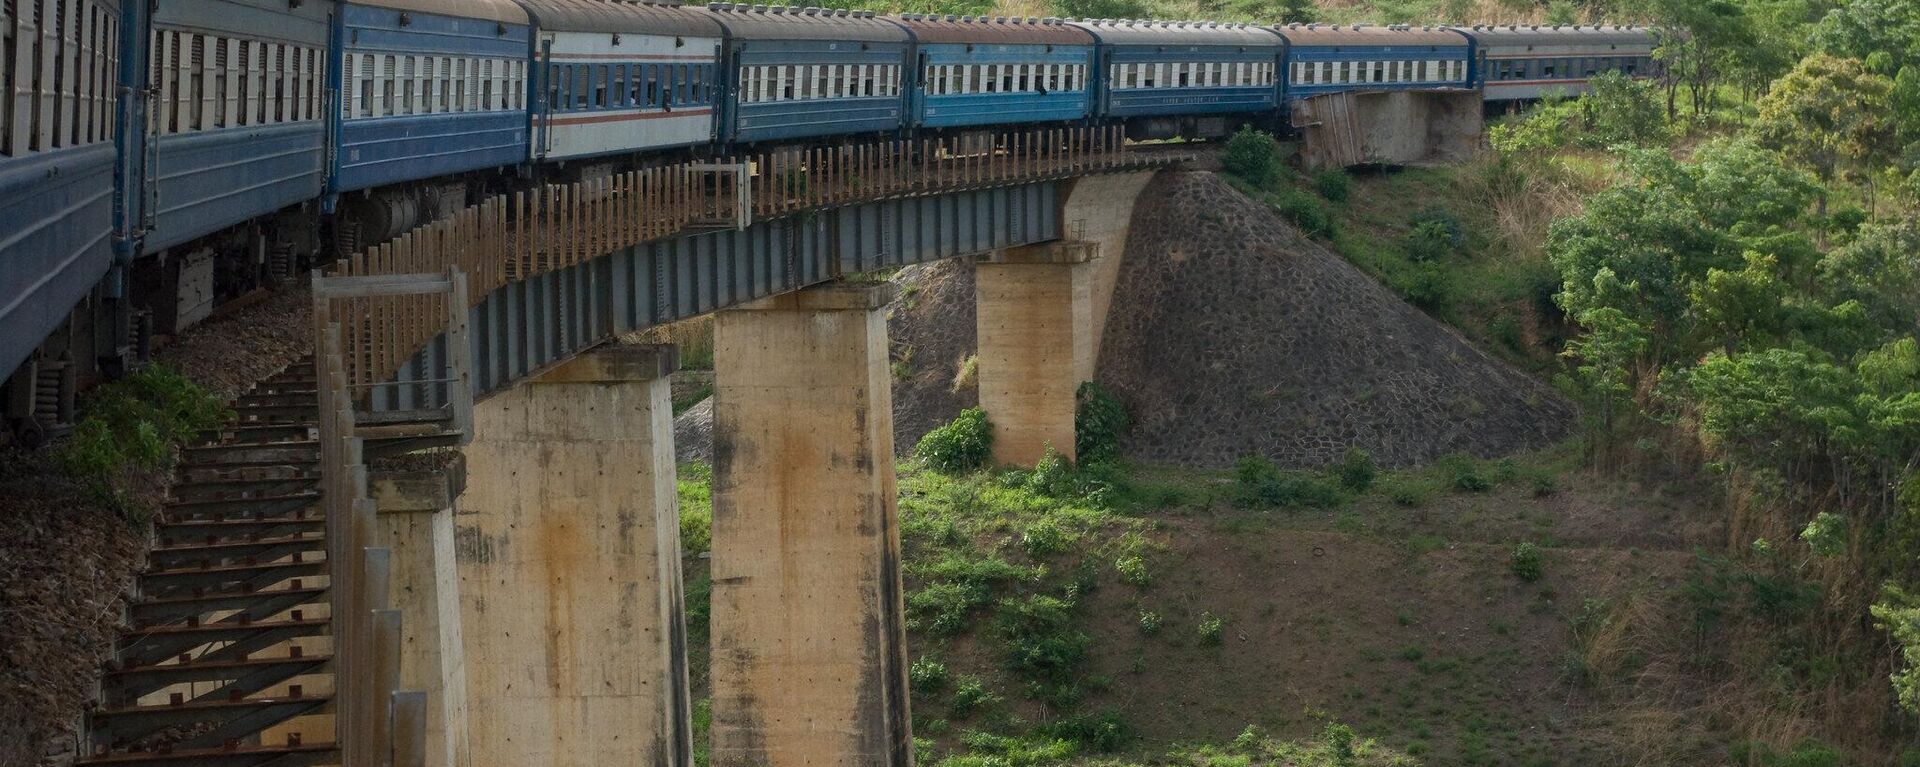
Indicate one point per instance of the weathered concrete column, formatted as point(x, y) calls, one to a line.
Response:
point(1035, 324)
point(416, 508)
point(809, 643)
point(569, 559)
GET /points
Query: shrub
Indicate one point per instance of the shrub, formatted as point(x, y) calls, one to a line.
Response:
point(1339, 739)
point(1044, 537)
point(1428, 241)
point(1133, 570)
point(1099, 421)
point(942, 609)
point(1105, 732)
point(1149, 622)
point(1305, 211)
point(1408, 494)
point(1052, 476)
point(133, 424)
point(927, 675)
point(1261, 484)
point(1333, 184)
point(1527, 562)
point(1042, 643)
point(1466, 474)
point(1424, 284)
point(1211, 628)
point(963, 445)
point(969, 695)
point(1355, 470)
point(1253, 156)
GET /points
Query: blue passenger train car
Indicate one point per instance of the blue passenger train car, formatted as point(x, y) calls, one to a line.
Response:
point(1188, 78)
point(1515, 63)
point(973, 72)
point(800, 74)
point(57, 133)
point(428, 88)
point(1363, 57)
point(234, 130)
point(619, 78)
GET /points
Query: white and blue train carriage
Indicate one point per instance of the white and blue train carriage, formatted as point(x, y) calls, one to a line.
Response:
point(622, 77)
point(59, 76)
point(428, 88)
point(799, 74)
point(1362, 57)
point(1198, 79)
point(974, 72)
point(235, 128)
point(1515, 63)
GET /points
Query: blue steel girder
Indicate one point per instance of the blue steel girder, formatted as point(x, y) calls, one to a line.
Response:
point(530, 325)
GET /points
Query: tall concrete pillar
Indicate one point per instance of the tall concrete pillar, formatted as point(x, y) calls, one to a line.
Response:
point(809, 643)
point(416, 509)
point(569, 561)
point(1035, 326)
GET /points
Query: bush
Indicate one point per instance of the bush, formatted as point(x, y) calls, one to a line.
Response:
point(1466, 474)
point(928, 676)
point(1105, 732)
point(1099, 421)
point(1252, 156)
point(1043, 645)
point(1425, 284)
point(1333, 184)
point(943, 609)
point(1149, 622)
point(961, 446)
point(1355, 470)
point(1133, 570)
point(1305, 211)
point(1211, 628)
point(133, 424)
point(1260, 484)
point(969, 695)
point(1044, 537)
point(1428, 241)
point(1527, 562)
point(1408, 494)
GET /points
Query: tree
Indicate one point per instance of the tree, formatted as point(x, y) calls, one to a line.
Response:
point(1870, 31)
point(1830, 115)
point(1736, 304)
point(1623, 110)
point(1880, 269)
point(1607, 358)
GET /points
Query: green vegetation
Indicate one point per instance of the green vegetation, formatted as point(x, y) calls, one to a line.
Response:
point(133, 426)
point(963, 445)
point(1527, 562)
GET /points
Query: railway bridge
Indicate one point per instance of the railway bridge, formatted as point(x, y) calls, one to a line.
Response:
point(452, 538)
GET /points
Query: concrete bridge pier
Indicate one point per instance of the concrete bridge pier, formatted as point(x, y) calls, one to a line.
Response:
point(568, 549)
point(1041, 312)
point(416, 510)
point(809, 640)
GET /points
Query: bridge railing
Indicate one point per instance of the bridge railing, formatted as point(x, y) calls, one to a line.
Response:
point(521, 235)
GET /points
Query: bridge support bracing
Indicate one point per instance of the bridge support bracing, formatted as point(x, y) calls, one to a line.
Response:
point(568, 547)
point(809, 642)
point(1035, 329)
point(415, 512)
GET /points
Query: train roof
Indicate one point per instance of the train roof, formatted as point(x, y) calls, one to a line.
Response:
point(504, 11)
point(781, 22)
point(621, 16)
point(1516, 34)
point(935, 28)
point(1368, 35)
point(1142, 32)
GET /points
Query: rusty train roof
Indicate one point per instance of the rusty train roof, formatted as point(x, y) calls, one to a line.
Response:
point(1369, 35)
point(504, 11)
point(618, 16)
point(1143, 32)
point(1593, 34)
point(998, 30)
point(780, 22)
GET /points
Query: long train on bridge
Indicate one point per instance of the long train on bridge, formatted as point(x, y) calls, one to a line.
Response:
point(158, 158)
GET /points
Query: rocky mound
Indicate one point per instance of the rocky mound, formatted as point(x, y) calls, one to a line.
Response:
point(1232, 334)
